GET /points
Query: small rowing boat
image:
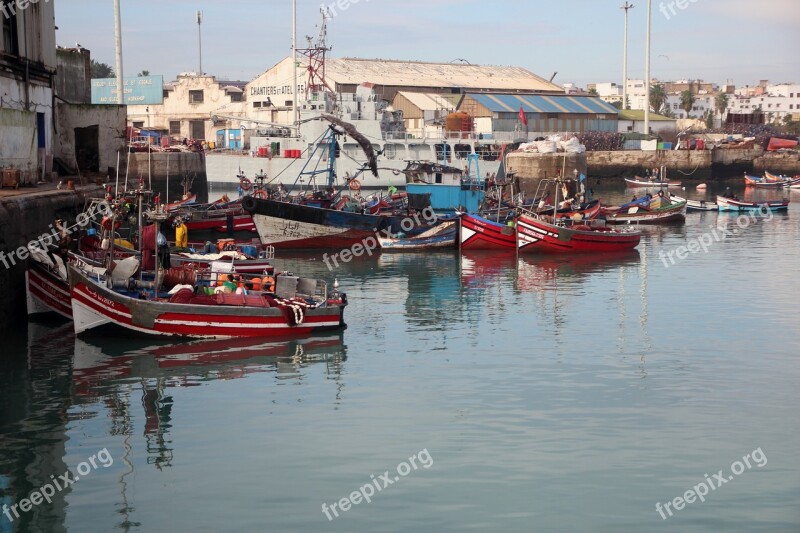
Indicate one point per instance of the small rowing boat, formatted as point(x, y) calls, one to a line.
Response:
point(734, 205)
point(638, 182)
point(442, 236)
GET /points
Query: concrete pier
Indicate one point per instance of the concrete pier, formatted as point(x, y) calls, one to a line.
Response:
point(25, 215)
point(173, 167)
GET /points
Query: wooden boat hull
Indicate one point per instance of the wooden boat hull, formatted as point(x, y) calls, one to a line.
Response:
point(46, 291)
point(438, 238)
point(640, 184)
point(667, 215)
point(590, 212)
point(730, 205)
point(94, 306)
point(298, 227)
point(701, 205)
point(476, 233)
point(537, 236)
point(220, 224)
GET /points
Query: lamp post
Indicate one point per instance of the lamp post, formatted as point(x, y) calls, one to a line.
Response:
point(647, 71)
point(627, 7)
point(118, 45)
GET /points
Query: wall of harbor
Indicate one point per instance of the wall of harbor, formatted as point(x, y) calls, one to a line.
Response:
point(163, 167)
point(24, 218)
point(531, 168)
point(681, 164)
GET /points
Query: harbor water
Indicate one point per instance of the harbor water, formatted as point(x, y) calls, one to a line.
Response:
point(469, 393)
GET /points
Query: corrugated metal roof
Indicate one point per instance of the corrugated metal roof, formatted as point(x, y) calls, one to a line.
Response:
point(421, 74)
point(428, 101)
point(535, 103)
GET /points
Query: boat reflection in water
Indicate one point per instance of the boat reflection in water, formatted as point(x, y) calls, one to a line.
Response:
point(544, 272)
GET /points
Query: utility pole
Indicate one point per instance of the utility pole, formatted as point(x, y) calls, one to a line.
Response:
point(118, 44)
point(295, 118)
point(627, 7)
point(200, 40)
point(647, 70)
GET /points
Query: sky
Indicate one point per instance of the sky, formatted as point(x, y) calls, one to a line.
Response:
point(738, 41)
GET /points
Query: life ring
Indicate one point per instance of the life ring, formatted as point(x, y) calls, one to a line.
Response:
point(245, 184)
point(268, 284)
point(355, 185)
point(107, 224)
point(260, 194)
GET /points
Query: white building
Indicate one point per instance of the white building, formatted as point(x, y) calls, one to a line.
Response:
point(189, 103)
point(27, 66)
point(775, 101)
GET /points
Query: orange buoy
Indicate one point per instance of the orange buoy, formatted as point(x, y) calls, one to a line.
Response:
point(355, 185)
point(256, 284)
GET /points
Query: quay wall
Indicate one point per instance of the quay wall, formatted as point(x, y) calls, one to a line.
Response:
point(24, 218)
point(532, 168)
point(172, 167)
point(681, 164)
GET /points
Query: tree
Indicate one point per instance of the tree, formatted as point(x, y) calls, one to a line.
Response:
point(101, 70)
point(658, 98)
point(593, 92)
point(710, 119)
point(721, 103)
point(144, 73)
point(617, 104)
point(687, 101)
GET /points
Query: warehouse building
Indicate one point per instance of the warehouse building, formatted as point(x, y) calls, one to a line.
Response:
point(271, 95)
point(500, 116)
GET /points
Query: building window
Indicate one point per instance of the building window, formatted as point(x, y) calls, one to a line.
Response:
point(791, 106)
point(196, 97)
point(138, 125)
point(165, 93)
point(288, 103)
point(236, 97)
point(256, 105)
point(10, 31)
point(174, 127)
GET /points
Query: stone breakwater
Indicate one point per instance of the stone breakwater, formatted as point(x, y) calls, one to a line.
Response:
point(23, 218)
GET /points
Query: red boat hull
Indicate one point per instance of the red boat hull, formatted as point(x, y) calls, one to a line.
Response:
point(477, 233)
point(46, 291)
point(538, 236)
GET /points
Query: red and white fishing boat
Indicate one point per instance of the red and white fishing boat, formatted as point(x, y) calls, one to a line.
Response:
point(298, 307)
point(536, 234)
point(478, 233)
point(186, 201)
point(46, 285)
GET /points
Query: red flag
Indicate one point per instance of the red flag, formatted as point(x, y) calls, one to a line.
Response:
point(522, 116)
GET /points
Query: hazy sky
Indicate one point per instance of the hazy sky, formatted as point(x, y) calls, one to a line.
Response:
point(715, 40)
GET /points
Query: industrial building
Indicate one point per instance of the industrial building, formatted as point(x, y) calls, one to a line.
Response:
point(501, 115)
point(270, 96)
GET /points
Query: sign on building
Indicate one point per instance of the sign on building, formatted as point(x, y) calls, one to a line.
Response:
point(143, 90)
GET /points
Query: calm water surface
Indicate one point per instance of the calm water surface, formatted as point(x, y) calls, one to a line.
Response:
point(549, 394)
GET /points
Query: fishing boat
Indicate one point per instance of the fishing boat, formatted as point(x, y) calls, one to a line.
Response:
point(537, 234)
point(638, 182)
point(764, 183)
point(327, 218)
point(239, 261)
point(587, 211)
point(734, 205)
point(699, 205)
point(655, 210)
point(478, 233)
point(298, 306)
point(773, 177)
point(442, 236)
point(547, 234)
